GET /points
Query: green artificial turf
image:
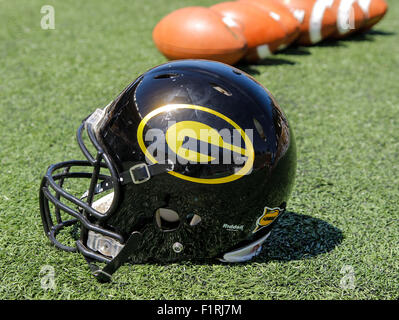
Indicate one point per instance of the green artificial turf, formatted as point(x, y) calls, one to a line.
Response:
point(341, 98)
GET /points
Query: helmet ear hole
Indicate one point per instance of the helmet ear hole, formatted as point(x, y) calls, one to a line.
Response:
point(167, 219)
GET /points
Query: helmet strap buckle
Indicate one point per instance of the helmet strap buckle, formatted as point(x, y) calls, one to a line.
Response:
point(140, 173)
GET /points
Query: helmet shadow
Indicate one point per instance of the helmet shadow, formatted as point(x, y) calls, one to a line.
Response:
point(297, 237)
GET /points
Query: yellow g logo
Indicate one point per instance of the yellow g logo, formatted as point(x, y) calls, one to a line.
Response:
point(179, 131)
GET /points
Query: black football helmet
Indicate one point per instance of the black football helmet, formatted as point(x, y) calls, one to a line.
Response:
point(193, 160)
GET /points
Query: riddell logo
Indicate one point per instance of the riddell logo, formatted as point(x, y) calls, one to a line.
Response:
point(232, 227)
point(168, 136)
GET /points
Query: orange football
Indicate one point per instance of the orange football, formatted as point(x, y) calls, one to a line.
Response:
point(350, 17)
point(374, 10)
point(264, 34)
point(199, 33)
point(317, 19)
point(282, 14)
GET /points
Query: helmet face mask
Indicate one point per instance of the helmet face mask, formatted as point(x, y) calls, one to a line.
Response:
point(199, 161)
point(82, 208)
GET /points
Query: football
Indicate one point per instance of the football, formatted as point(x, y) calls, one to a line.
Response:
point(350, 17)
point(374, 11)
point(282, 14)
point(316, 18)
point(199, 33)
point(263, 33)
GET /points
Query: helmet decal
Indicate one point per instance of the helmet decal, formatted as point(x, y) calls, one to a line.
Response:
point(178, 133)
point(268, 216)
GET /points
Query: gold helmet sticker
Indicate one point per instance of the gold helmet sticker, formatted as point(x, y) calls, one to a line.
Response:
point(177, 132)
point(268, 216)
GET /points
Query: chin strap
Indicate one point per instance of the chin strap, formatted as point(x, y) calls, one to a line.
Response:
point(105, 274)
